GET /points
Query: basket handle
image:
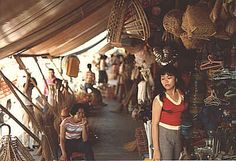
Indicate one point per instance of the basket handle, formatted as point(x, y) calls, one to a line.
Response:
point(9, 127)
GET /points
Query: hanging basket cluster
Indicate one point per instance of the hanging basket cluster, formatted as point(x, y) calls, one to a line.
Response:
point(172, 22)
point(201, 22)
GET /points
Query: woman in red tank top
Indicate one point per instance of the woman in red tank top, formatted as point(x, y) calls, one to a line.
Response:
point(166, 116)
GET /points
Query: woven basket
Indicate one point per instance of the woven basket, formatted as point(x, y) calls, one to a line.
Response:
point(127, 18)
point(172, 22)
point(190, 42)
point(196, 22)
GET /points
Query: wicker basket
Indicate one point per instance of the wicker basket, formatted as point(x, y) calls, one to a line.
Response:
point(196, 22)
point(172, 22)
point(11, 149)
point(141, 140)
point(128, 19)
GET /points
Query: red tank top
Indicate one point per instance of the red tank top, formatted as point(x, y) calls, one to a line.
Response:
point(173, 116)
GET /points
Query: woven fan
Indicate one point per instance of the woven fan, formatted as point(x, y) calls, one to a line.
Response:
point(11, 149)
point(127, 19)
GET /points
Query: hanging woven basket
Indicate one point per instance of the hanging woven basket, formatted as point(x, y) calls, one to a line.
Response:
point(172, 22)
point(127, 19)
point(11, 149)
point(196, 22)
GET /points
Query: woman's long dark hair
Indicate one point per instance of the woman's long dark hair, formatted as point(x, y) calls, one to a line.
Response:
point(169, 69)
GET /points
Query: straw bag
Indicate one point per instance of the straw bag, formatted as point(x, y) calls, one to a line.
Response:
point(11, 149)
point(172, 22)
point(196, 22)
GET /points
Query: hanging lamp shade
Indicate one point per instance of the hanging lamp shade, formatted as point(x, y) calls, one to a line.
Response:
point(72, 66)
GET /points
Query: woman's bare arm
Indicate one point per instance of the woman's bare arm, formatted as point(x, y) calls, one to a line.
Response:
point(156, 113)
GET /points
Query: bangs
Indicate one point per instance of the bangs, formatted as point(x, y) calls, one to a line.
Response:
point(170, 70)
point(167, 73)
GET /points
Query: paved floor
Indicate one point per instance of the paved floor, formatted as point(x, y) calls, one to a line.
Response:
point(113, 131)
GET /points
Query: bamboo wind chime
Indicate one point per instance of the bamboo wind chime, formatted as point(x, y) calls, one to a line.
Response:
point(11, 149)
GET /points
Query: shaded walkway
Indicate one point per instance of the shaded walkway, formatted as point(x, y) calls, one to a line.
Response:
point(113, 131)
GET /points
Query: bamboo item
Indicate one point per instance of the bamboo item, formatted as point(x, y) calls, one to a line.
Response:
point(11, 149)
point(13, 85)
point(201, 28)
point(128, 19)
point(44, 79)
point(31, 116)
point(172, 22)
point(72, 66)
point(20, 124)
point(22, 66)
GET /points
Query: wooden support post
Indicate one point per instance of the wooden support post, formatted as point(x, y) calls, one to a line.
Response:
point(22, 66)
point(31, 116)
point(23, 95)
point(36, 61)
point(20, 124)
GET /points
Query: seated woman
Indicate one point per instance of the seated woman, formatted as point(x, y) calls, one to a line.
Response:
point(74, 134)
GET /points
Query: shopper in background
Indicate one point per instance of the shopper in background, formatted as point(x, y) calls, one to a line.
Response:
point(27, 90)
point(50, 81)
point(89, 79)
point(102, 73)
point(166, 116)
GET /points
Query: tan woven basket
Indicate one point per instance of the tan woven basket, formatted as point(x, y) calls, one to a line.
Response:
point(196, 22)
point(127, 19)
point(172, 22)
point(190, 42)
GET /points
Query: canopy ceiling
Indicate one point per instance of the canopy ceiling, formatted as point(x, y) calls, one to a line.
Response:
point(50, 26)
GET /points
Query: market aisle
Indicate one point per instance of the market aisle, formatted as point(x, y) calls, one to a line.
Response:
point(113, 131)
